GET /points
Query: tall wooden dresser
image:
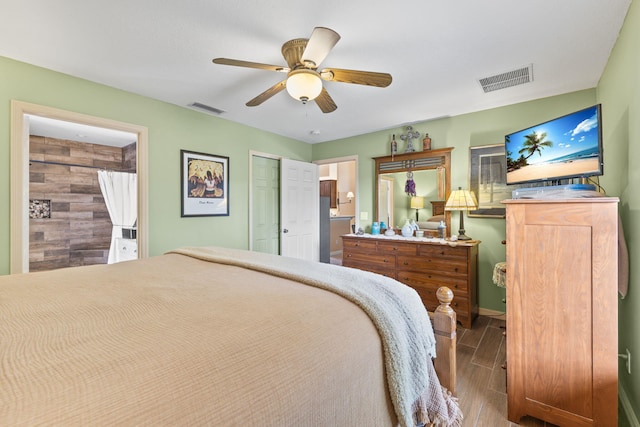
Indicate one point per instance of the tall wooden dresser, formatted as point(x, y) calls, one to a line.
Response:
point(562, 310)
point(423, 265)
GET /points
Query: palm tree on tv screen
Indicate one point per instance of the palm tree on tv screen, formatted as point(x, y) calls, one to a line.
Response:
point(534, 143)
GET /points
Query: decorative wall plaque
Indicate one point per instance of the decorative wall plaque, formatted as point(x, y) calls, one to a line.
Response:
point(39, 209)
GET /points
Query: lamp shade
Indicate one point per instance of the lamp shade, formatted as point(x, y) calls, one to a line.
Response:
point(350, 195)
point(417, 202)
point(304, 84)
point(461, 200)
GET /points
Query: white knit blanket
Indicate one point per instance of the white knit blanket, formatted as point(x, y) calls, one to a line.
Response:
point(396, 310)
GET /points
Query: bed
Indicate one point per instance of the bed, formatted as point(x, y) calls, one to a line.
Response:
point(214, 336)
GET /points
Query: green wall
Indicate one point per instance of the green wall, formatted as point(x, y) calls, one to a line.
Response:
point(171, 128)
point(464, 131)
point(619, 93)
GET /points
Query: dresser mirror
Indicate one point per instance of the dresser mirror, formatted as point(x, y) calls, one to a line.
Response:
point(431, 173)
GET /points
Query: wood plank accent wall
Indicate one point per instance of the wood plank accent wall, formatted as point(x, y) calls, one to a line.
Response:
point(79, 230)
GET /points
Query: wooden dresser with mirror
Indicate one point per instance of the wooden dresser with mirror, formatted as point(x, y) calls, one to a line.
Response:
point(420, 263)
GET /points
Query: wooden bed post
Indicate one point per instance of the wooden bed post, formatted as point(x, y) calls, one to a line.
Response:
point(444, 327)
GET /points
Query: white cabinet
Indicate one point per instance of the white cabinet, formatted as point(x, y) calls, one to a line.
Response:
point(126, 249)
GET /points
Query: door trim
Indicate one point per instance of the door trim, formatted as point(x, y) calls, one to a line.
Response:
point(19, 235)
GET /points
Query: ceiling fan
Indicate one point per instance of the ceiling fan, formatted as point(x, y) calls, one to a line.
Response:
point(304, 80)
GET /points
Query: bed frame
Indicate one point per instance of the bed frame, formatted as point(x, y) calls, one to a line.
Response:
point(443, 320)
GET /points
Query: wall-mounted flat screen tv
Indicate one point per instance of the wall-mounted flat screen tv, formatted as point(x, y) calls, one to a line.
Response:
point(566, 147)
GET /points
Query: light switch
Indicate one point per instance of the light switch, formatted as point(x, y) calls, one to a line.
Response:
point(364, 216)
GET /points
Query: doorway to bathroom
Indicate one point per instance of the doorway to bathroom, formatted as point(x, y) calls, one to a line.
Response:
point(63, 221)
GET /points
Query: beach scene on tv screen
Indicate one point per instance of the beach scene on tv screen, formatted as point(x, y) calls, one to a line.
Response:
point(564, 147)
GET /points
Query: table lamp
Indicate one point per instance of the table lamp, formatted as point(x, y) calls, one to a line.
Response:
point(417, 203)
point(461, 200)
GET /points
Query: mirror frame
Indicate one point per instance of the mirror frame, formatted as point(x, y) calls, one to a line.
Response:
point(417, 161)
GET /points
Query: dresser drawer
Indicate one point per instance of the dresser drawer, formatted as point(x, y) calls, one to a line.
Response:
point(397, 248)
point(454, 266)
point(359, 245)
point(373, 268)
point(443, 252)
point(382, 261)
point(458, 284)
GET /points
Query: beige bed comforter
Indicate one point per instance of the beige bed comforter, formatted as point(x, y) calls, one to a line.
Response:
point(174, 340)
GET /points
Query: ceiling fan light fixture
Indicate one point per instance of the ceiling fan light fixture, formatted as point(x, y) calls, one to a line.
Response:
point(304, 85)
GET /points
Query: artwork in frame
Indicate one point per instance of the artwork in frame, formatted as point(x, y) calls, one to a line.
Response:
point(204, 184)
point(488, 180)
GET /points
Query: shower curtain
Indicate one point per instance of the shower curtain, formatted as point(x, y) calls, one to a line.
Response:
point(119, 190)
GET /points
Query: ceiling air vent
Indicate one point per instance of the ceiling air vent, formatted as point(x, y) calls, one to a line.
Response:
point(206, 108)
point(508, 79)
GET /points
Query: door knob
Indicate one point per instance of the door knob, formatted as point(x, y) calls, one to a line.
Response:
point(285, 231)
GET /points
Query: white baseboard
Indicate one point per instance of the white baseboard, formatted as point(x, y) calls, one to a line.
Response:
point(627, 407)
point(492, 313)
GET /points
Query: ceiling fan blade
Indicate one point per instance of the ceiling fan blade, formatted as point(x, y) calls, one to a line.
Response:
point(325, 102)
point(238, 63)
point(368, 78)
point(320, 43)
point(276, 88)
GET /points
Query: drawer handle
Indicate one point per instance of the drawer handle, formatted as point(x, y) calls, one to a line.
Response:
point(442, 253)
point(349, 256)
point(386, 260)
point(357, 244)
point(406, 263)
point(395, 248)
point(455, 269)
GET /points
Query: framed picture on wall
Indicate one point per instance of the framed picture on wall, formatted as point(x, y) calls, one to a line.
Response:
point(488, 180)
point(204, 184)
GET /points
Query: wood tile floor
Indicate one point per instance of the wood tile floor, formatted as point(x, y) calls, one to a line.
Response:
point(482, 382)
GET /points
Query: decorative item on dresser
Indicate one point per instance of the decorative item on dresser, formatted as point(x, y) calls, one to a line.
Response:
point(426, 142)
point(562, 316)
point(409, 137)
point(422, 265)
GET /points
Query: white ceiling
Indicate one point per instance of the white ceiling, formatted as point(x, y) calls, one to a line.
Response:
point(435, 50)
point(44, 126)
